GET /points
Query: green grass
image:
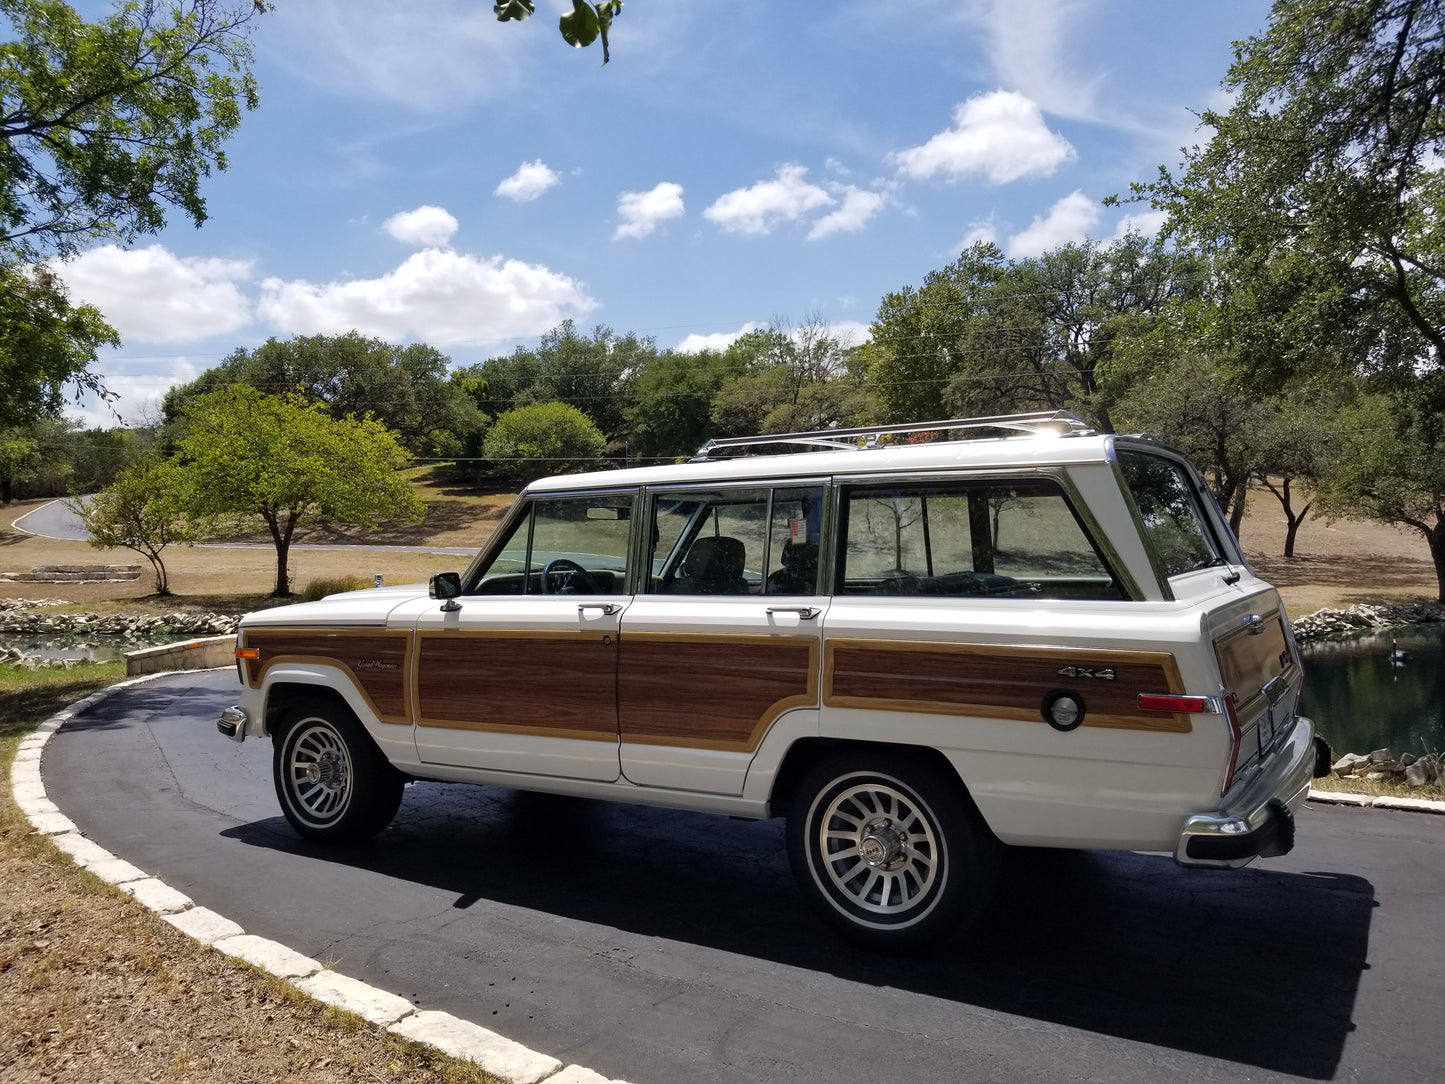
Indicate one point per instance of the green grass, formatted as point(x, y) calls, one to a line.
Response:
point(29, 697)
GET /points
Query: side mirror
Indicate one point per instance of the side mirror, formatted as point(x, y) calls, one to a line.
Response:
point(447, 586)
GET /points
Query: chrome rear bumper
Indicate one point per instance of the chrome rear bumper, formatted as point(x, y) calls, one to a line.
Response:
point(1258, 821)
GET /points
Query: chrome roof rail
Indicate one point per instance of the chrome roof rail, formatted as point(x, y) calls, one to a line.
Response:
point(1051, 422)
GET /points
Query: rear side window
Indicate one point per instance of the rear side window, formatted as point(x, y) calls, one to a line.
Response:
point(736, 542)
point(1015, 541)
point(1170, 513)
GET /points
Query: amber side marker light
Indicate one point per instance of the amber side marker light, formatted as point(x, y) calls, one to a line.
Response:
point(248, 652)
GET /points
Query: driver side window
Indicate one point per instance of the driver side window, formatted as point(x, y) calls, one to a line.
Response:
point(563, 545)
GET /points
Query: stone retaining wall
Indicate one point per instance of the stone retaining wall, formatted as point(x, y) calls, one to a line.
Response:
point(75, 574)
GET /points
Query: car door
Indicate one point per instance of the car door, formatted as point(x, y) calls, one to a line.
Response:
point(722, 638)
point(519, 674)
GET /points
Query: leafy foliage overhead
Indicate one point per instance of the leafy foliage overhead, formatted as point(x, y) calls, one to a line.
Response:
point(45, 344)
point(1323, 184)
point(580, 27)
point(104, 124)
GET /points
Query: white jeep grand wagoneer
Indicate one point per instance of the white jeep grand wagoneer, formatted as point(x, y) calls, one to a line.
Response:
point(913, 651)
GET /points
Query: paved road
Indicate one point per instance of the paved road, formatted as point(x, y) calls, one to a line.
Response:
point(662, 947)
point(56, 520)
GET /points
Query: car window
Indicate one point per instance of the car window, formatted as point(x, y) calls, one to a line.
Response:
point(736, 542)
point(1169, 512)
point(563, 545)
point(1020, 541)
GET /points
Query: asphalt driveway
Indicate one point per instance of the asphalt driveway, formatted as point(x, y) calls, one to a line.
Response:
point(660, 947)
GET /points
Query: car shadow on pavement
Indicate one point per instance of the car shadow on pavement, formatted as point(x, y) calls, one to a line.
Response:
point(1256, 966)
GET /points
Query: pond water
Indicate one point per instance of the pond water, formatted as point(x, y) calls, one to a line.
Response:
point(98, 648)
point(1361, 700)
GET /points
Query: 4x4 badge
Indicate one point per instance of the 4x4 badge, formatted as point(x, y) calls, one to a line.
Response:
point(1105, 674)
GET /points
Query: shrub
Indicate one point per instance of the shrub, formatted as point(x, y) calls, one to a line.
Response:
point(541, 439)
point(321, 588)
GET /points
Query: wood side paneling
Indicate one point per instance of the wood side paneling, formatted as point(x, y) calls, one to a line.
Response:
point(555, 684)
point(374, 659)
point(997, 681)
point(711, 691)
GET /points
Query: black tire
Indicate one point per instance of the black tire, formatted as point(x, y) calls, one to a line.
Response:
point(332, 781)
point(889, 850)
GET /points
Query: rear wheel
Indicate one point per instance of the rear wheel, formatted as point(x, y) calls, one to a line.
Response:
point(333, 783)
point(889, 850)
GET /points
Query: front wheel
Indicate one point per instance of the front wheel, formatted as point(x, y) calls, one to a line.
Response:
point(888, 849)
point(333, 783)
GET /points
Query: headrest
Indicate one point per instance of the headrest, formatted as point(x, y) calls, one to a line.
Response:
point(715, 558)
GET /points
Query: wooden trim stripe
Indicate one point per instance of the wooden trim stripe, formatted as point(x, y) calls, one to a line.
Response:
point(998, 681)
point(377, 662)
point(555, 683)
point(705, 690)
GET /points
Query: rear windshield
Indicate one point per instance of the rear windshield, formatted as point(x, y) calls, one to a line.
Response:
point(1170, 511)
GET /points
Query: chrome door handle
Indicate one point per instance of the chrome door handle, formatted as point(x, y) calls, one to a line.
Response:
point(609, 608)
point(1255, 624)
point(805, 612)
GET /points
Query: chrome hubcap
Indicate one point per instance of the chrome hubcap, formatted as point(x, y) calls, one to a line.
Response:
point(879, 848)
point(320, 772)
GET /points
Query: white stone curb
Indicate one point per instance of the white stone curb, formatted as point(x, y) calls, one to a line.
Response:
point(1382, 801)
point(462, 1039)
point(448, 1034)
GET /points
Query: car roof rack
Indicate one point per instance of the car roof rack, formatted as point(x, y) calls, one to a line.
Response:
point(1058, 423)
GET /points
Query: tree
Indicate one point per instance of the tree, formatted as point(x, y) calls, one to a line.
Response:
point(675, 393)
point(990, 336)
point(45, 344)
point(1391, 468)
point(104, 124)
point(1321, 186)
point(246, 455)
point(142, 510)
point(920, 337)
point(1298, 445)
point(596, 374)
point(19, 457)
point(534, 441)
point(407, 388)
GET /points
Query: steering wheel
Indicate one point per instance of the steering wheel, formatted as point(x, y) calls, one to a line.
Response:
point(572, 579)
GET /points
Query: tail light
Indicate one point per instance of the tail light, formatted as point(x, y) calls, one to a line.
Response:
point(1202, 705)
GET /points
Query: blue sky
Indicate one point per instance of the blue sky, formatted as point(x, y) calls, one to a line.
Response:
point(420, 172)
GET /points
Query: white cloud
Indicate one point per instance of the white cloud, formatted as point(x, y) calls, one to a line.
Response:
point(1000, 136)
point(643, 212)
point(1148, 223)
point(761, 207)
point(529, 182)
point(152, 295)
point(435, 60)
point(859, 205)
point(436, 295)
point(718, 340)
point(425, 227)
point(1070, 219)
point(979, 231)
point(1026, 42)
